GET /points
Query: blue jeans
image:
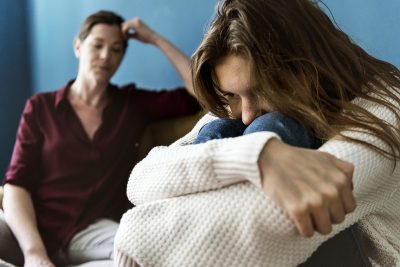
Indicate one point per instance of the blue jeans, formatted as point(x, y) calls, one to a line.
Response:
point(290, 131)
point(345, 248)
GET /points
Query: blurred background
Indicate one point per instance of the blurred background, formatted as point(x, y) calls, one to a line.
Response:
point(36, 44)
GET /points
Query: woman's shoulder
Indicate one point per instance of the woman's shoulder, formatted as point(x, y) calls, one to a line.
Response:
point(43, 100)
point(48, 100)
point(43, 96)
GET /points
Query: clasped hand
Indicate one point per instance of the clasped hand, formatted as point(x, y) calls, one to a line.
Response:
point(312, 187)
point(136, 29)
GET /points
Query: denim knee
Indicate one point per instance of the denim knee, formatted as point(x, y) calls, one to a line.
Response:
point(288, 129)
point(220, 128)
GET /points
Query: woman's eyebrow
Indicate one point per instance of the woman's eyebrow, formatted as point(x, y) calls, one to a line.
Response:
point(97, 39)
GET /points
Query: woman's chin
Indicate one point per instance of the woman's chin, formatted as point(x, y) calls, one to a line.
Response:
point(102, 77)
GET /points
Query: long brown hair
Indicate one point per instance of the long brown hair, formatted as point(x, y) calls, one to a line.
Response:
point(305, 66)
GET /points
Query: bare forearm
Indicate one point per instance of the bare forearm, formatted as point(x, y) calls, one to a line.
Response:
point(20, 216)
point(179, 60)
point(144, 33)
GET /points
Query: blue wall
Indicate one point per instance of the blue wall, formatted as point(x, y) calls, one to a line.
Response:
point(55, 24)
point(373, 24)
point(41, 32)
point(15, 77)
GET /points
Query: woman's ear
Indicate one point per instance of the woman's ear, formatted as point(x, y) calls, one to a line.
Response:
point(77, 46)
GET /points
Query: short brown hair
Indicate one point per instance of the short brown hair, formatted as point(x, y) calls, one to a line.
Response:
point(100, 17)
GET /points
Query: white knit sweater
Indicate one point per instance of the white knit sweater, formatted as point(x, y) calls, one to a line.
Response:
point(202, 205)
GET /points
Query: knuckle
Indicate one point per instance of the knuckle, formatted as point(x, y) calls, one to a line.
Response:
point(330, 192)
point(307, 232)
point(351, 206)
point(349, 168)
point(316, 202)
point(306, 206)
point(136, 21)
point(325, 229)
point(341, 181)
point(297, 210)
point(339, 218)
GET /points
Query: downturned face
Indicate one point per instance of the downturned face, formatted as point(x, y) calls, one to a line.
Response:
point(101, 53)
point(234, 79)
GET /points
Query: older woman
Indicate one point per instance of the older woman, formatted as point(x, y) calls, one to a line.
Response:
point(65, 186)
point(253, 200)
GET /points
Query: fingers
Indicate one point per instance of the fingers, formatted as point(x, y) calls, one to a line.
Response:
point(348, 200)
point(137, 29)
point(322, 221)
point(322, 205)
point(316, 191)
point(304, 224)
point(337, 212)
point(310, 217)
point(345, 184)
point(346, 167)
point(130, 27)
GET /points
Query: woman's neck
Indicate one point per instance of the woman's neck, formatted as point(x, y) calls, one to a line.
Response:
point(89, 94)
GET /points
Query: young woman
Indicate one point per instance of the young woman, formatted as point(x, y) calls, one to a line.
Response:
point(253, 200)
point(66, 183)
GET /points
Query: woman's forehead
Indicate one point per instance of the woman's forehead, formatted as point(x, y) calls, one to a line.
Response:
point(106, 32)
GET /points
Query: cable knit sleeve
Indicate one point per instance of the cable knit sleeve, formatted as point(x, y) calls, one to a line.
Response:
point(196, 168)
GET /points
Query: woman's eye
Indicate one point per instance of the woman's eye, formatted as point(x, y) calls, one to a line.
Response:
point(117, 50)
point(230, 96)
point(97, 46)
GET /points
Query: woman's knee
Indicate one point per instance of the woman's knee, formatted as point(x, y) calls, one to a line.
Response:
point(9, 248)
point(289, 130)
point(220, 128)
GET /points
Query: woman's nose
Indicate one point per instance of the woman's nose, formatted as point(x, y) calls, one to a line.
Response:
point(249, 113)
point(105, 53)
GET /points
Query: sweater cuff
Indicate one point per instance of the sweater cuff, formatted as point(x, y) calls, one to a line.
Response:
point(236, 159)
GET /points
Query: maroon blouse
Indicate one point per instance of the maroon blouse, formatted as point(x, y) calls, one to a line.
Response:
point(74, 180)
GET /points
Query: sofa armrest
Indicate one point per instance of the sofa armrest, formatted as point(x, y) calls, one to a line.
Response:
point(1, 197)
point(165, 132)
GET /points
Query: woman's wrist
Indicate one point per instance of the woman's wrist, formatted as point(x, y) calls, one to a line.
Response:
point(156, 39)
point(273, 146)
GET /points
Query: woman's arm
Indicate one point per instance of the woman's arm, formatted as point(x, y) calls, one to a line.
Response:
point(312, 185)
point(20, 217)
point(315, 187)
point(145, 34)
point(21, 177)
point(182, 169)
point(239, 224)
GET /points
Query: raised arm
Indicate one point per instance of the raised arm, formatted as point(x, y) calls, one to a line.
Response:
point(20, 217)
point(137, 29)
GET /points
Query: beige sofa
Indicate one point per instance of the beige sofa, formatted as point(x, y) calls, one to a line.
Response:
point(160, 133)
point(1, 196)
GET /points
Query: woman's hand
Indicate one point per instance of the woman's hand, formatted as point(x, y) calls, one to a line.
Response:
point(314, 188)
point(136, 29)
